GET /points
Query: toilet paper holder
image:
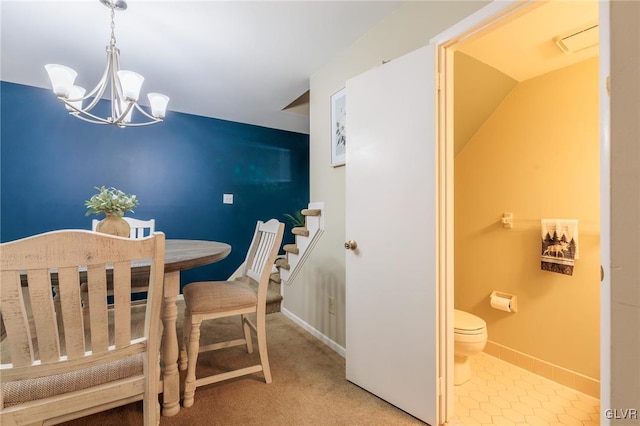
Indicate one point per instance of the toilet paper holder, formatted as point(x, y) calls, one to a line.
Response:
point(503, 301)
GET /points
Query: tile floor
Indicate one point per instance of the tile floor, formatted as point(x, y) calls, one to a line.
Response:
point(500, 393)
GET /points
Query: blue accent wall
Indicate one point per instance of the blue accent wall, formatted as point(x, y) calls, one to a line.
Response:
point(179, 169)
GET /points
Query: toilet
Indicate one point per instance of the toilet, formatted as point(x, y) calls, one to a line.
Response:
point(470, 338)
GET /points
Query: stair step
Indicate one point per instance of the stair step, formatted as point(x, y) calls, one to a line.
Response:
point(311, 212)
point(275, 277)
point(282, 263)
point(300, 231)
point(291, 248)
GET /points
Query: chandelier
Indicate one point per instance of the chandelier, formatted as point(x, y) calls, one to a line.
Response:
point(124, 88)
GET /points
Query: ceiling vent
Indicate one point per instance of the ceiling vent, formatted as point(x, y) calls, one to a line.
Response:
point(579, 40)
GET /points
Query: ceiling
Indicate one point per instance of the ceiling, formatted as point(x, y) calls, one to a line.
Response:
point(246, 61)
point(524, 46)
point(492, 62)
point(243, 61)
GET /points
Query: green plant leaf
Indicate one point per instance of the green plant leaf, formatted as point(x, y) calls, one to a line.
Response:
point(296, 220)
point(110, 201)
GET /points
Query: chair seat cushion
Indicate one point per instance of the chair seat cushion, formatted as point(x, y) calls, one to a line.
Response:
point(21, 391)
point(208, 297)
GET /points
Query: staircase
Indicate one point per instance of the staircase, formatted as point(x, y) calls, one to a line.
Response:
point(306, 238)
point(288, 266)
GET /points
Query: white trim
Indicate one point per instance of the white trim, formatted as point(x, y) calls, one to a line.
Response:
point(315, 333)
point(469, 26)
point(605, 211)
point(487, 16)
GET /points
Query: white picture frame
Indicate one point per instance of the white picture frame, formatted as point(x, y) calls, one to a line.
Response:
point(338, 126)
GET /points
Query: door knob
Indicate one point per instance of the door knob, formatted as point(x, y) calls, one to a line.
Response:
point(351, 245)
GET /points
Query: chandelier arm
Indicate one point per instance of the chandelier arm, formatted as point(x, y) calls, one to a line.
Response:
point(120, 115)
point(146, 123)
point(115, 101)
point(97, 92)
point(116, 87)
point(120, 122)
point(84, 115)
point(146, 114)
point(88, 120)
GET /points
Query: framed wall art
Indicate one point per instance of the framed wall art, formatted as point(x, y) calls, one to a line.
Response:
point(338, 133)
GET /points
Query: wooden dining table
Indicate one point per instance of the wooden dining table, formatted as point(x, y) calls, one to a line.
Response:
point(179, 255)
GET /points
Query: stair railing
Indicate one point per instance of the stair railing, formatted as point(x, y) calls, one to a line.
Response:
point(306, 239)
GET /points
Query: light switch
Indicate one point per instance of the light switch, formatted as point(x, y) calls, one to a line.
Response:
point(227, 198)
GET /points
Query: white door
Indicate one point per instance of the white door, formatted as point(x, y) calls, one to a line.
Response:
point(391, 315)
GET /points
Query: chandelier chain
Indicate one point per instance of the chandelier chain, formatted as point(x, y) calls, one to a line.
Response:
point(113, 28)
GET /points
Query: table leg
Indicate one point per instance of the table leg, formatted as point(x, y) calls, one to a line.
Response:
point(169, 351)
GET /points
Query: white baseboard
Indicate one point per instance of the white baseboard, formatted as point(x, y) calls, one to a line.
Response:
point(315, 333)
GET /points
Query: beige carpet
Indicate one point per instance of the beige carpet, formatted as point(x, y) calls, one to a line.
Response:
point(309, 388)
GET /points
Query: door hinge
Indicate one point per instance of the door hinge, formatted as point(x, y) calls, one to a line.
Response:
point(440, 386)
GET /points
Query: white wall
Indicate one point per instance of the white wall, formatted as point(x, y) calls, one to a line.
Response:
point(408, 28)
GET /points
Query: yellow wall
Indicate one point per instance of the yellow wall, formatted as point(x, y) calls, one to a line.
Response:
point(537, 156)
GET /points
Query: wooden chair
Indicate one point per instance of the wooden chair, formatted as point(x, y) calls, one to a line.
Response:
point(139, 228)
point(60, 367)
point(218, 299)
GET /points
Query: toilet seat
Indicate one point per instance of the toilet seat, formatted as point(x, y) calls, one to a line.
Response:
point(465, 323)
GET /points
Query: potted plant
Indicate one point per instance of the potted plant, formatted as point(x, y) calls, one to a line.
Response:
point(114, 203)
point(296, 219)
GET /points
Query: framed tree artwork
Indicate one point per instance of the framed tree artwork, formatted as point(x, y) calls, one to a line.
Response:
point(338, 133)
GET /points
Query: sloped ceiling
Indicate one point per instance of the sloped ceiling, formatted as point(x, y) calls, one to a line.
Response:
point(479, 89)
point(525, 47)
point(490, 64)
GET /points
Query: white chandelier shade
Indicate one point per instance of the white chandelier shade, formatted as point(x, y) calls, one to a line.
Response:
point(124, 91)
point(76, 92)
point(62, 79)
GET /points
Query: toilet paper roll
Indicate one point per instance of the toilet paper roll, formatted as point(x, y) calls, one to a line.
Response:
point(501, 303)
